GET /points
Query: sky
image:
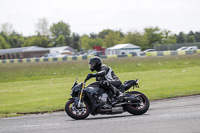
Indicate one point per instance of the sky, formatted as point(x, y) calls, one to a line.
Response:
point(93, 16)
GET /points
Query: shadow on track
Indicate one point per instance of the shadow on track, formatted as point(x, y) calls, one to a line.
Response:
point(107, 117)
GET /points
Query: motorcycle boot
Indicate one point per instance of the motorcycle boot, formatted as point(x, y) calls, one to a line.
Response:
point(117, 95)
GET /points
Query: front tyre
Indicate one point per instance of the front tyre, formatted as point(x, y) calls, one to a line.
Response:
point(138, 107)
point(75, 112)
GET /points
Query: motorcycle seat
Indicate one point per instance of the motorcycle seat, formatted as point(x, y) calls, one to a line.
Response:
point(127, 85)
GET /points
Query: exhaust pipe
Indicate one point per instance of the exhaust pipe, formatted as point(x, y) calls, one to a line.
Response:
point(117, 110)
point(113, 110)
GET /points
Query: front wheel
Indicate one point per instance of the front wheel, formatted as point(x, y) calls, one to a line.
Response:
point(139, 107)
point(75, 112)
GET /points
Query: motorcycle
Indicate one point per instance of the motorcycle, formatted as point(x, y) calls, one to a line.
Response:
point(95, 100)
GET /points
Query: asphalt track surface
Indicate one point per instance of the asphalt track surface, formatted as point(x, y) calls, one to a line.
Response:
point(176, 115)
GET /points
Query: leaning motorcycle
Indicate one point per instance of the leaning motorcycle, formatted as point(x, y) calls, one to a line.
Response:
point(95, 100)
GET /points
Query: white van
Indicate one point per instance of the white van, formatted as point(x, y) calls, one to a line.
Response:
point(189, 48)
point(192, 48)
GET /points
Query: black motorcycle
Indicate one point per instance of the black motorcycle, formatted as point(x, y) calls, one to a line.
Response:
point(95, 100)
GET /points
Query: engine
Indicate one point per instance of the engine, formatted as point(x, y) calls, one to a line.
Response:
point(107, 108)
point(104, 98)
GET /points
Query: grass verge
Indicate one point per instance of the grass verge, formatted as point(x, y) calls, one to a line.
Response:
point(159, 78)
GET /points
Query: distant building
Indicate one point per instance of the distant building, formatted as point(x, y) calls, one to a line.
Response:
point(121, 49)
point(62, 50)
point(23, 52)
point(97, 51)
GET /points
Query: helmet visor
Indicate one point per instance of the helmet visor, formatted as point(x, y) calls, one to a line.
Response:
point(91, 66)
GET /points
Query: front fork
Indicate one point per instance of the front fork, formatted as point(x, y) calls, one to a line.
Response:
point(80, 97)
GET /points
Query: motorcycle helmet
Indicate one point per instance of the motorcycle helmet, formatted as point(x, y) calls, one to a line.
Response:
point(95, 63)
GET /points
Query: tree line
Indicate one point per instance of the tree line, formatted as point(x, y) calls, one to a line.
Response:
point(59, 34)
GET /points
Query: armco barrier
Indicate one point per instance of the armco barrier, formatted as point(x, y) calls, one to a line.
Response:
point(198, 51)
point(158, 53)
point(60, 59)
point(163, 53)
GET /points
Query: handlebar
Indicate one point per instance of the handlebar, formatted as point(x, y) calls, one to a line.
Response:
point(85, 80)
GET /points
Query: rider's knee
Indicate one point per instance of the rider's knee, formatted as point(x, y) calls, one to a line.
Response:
point(104, 83)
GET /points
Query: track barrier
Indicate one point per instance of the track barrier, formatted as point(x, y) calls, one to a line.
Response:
point(71, 58)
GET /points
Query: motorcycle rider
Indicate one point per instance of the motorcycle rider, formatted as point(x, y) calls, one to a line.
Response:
point(105, 77)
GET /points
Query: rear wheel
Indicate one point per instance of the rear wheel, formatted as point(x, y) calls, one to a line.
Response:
point(140, 106)
point(77, 112)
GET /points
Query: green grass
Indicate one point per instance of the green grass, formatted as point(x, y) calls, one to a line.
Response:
point(45, 70)
point(45, 87)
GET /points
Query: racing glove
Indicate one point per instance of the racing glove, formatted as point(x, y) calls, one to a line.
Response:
point(89, 76)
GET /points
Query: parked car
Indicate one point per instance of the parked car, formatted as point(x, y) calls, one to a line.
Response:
point(143, 53)
point(96, 53)
point(133, 53)
point(182, 48)
point(190, 48)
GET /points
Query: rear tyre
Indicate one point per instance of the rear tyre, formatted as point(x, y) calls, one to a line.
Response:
point(77, 113)
point(139, 107)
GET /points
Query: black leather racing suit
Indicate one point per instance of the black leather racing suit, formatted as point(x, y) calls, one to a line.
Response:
point(107, 78)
